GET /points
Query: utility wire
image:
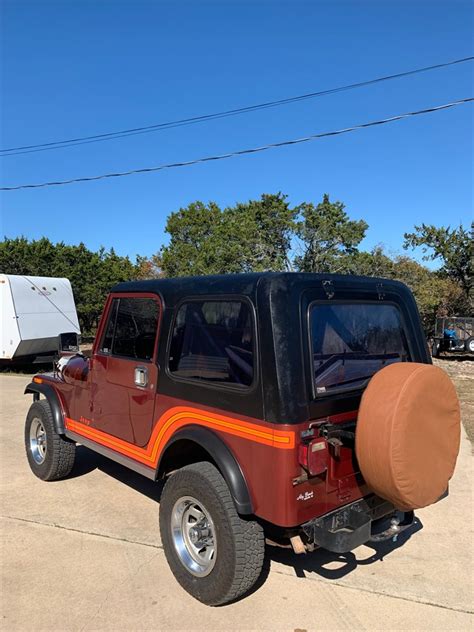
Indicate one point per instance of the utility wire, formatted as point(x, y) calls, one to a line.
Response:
point(241, 152)
point(82, 140)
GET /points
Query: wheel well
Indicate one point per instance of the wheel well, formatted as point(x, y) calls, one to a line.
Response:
point(194, 444)
point(180, 453)
point(49, 393)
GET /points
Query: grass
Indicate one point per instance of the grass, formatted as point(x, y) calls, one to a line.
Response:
point(461, 370)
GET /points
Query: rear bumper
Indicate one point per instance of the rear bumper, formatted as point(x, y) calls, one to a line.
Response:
point(369, 519)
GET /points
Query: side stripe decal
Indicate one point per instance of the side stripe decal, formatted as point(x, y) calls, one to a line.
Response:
point(176, 418)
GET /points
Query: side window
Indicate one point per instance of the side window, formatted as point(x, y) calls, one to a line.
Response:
point(106, 346)
point(131, 328)
point(213, 341)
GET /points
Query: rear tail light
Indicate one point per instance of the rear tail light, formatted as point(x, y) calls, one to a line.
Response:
point(313, 456)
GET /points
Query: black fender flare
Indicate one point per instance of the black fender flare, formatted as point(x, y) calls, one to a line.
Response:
point(224, 459)
point(53, 400)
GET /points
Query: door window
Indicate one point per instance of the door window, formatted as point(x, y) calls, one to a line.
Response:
point(130, 331)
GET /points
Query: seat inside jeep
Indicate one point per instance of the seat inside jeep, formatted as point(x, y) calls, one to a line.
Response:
point(213, 340)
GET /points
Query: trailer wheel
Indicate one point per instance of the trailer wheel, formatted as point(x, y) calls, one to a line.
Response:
point(469, 346)
point(50, 455)
point(214, 554)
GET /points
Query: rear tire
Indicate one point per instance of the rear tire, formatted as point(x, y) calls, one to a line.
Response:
point(213, 553)
point(50, 455)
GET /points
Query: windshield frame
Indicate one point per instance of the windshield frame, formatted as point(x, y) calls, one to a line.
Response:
point(335, 391)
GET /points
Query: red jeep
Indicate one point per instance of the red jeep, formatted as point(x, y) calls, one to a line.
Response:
point(244, 393)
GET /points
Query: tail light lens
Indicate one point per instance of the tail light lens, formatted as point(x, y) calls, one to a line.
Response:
point(313, 456)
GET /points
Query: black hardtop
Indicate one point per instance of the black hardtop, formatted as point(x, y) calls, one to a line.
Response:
point(175, 289)
point(282, 392)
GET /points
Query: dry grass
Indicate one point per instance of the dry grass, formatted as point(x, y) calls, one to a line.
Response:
point(461, 370)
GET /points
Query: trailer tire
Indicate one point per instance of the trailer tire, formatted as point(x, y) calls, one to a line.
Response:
point(50, 455)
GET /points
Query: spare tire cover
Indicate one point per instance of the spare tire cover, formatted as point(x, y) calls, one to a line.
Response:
point(408, 433)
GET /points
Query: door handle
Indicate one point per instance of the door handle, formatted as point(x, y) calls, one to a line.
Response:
point(141, 376)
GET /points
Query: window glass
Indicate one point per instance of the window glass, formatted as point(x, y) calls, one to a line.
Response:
point(106, 346)
point(213, 341)
point(350, 342)
point(131, 329)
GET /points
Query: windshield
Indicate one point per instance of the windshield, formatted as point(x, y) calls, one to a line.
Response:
point(352, 341)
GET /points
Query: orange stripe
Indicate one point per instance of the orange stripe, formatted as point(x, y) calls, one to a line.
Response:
point(176, 418)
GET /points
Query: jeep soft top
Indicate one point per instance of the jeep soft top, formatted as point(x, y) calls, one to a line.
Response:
point(244, 392)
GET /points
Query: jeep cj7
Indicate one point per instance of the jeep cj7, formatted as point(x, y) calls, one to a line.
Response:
point(299, 407)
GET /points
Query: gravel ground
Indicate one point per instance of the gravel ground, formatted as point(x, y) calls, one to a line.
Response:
point(85, 554)
point(461, 370)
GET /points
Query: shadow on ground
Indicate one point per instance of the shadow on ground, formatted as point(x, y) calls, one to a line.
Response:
point(456, 357)
point(331, 566)
point(334, 566)
point(88, 461)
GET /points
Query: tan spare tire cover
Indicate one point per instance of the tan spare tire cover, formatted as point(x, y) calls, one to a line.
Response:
point(408, 433)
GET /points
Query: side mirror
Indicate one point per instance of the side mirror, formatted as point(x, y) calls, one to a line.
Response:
point(68, 343)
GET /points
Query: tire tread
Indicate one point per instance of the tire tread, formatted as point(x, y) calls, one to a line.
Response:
point(248, 536)
point(62, 450)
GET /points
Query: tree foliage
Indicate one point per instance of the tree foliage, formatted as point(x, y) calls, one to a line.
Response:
point(327, 235)
point(251, 236)
point(453, 247)
point(92, 274)
point(259, 235)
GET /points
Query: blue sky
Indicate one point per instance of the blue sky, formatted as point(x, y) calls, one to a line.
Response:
point(73, 68)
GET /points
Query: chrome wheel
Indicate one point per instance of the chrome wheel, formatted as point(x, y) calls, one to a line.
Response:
point(193, 535)
point(38, 443)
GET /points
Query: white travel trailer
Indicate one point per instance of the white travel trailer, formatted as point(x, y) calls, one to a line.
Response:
point(33, 312)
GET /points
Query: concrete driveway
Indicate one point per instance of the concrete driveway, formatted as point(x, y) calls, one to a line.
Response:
point(85, 554)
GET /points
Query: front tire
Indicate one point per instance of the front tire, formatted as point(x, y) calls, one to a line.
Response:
point(50, 455)
point(214, 554)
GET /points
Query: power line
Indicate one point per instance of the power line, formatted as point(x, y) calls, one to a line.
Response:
point(82, 140)
point(241, 152)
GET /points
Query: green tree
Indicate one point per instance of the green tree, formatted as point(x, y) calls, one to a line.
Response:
point(367, 263)
point(193, 245)
point(251, 236)
point(92, 274)
point(262, 230)
point(435, 294)
point(327, 236)
point(453, 247)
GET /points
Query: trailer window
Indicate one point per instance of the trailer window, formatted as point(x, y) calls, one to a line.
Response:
point(351, 342)
point(213, 341)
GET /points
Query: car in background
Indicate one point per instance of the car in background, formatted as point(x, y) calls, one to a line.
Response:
point(453, 334)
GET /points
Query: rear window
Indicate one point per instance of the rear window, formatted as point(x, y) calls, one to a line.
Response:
point(351, 342)
point(213, 341)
